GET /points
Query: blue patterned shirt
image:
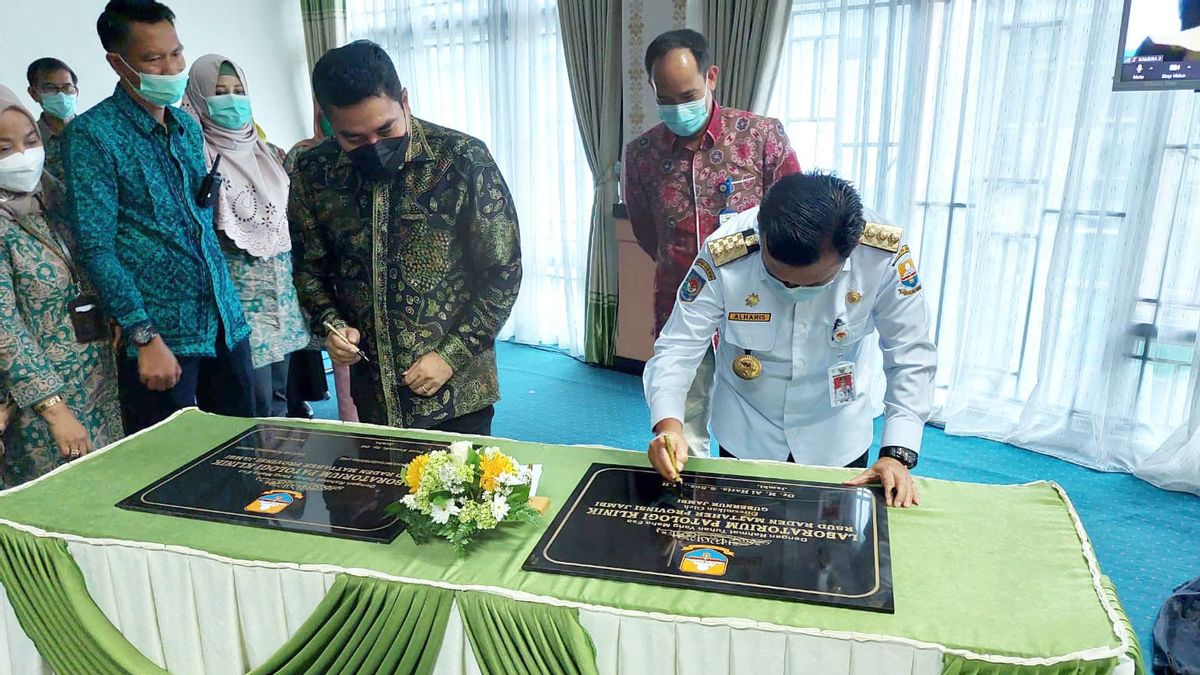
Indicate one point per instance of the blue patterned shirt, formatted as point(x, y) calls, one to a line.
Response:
point(151, 252)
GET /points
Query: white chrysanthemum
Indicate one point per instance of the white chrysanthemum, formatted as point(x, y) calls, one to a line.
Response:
point(509, 478)
point(441, 514)
point(448, 474)
point(459, 450)
point(499, 507)
point(410, 501)
point(433, 476)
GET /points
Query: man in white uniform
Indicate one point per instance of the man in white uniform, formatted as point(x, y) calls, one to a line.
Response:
point(792, 289)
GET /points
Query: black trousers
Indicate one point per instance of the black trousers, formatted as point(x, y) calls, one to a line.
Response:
point(306, 381)
point(221, 384)
point(860, 463)
point(478, 423)
point(270, 389)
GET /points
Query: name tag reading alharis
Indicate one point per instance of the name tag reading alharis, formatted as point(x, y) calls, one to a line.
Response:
point(750, 316)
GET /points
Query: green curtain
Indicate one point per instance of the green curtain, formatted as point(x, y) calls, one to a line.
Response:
point(956, 665)
point(362, 625)
point(747, 40)
point(367, 626)
point(591, 38)
point(324, 27)
point(51, 601)
point(521, 638)
point(1135, 646)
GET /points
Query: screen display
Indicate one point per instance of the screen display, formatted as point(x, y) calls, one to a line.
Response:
point(1160, 45)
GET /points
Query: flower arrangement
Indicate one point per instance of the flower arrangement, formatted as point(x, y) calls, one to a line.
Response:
point(457, 493)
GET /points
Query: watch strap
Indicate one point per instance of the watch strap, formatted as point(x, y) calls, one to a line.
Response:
point(142, 335)
point(903, 455)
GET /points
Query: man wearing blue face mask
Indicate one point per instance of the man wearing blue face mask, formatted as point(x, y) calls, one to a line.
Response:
point(704, 164)
point(55, 87)
point(134, 167)
point(793, 288)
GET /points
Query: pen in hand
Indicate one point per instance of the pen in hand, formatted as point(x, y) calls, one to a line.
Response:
point(674, 461)
point(330, 327)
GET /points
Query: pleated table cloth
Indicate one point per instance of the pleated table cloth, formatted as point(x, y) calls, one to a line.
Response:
point(988, 579)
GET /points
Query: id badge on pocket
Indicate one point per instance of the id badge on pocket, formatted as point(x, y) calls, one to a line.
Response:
point(842, 387)
point(87, 319)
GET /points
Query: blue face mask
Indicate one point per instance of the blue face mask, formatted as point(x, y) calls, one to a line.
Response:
point(795, 294)
point(59, 106)
point(686, 119)
point(231, 111)
point(161, 90)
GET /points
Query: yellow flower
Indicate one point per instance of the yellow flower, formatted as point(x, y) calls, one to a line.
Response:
point(412, 476)
point(492, 466)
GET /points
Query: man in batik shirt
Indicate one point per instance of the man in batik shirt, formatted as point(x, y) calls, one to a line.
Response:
point(406, 250)
point(684, 177)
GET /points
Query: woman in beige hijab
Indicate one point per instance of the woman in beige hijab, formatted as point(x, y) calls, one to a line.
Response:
point(55, 359)
point(251, 214)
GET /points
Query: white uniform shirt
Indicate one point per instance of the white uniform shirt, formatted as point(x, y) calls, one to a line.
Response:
point(787, 409)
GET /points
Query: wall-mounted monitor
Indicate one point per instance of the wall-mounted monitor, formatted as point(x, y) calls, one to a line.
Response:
point(1159, 45)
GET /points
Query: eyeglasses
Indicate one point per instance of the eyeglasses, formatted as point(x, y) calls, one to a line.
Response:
point(69, 89)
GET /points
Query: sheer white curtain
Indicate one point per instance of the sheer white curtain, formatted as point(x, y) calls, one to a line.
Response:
point(495, 69)
point(1056, 220)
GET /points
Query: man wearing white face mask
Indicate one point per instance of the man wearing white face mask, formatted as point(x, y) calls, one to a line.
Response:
point(792, 288)
point(135, 170)
point(55, 87)
point(701, 166)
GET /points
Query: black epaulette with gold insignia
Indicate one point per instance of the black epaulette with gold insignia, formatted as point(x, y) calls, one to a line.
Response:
point(733, 247)
point(882, 237)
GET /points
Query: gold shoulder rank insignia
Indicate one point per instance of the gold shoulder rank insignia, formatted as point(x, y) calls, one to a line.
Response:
point(733, 247)
point(882, 237)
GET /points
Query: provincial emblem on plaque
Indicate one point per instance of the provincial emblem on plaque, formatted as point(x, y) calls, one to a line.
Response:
point(712, 561)
point(623, 523)
point(273, 501)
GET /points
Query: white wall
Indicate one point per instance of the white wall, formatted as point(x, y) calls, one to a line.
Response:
point(264, 37)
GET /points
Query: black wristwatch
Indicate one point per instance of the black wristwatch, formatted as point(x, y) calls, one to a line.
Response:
point(903, 455)
point(142, 335)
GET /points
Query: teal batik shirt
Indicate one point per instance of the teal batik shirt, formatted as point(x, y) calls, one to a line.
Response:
point(151, 252)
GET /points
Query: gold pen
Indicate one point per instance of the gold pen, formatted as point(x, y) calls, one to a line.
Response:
point(329, 327)
point(674, 462)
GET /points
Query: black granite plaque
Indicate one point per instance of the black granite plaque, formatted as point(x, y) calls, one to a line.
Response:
point(323, 482)
point(813, 542)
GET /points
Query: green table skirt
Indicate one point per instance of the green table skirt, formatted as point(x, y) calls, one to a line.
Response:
point(987, 578)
